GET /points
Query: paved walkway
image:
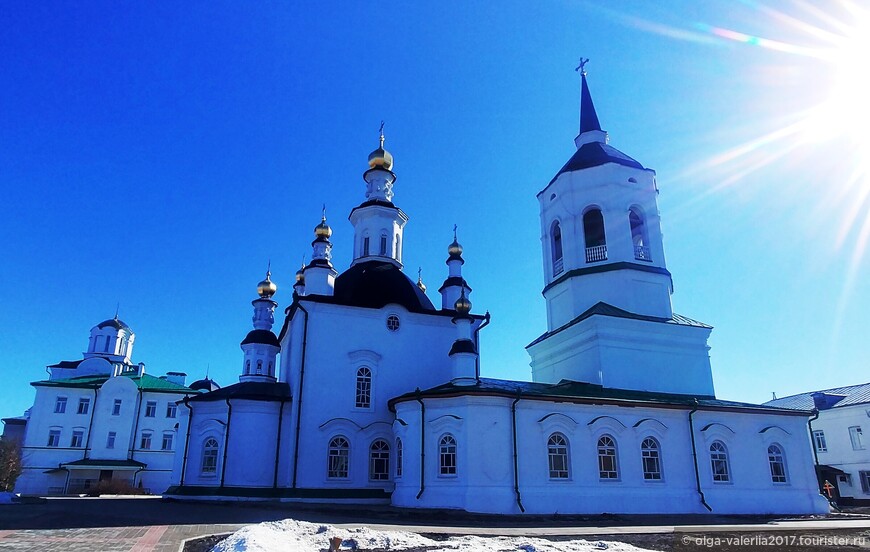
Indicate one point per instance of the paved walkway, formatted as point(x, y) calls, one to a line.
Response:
point(123, 525)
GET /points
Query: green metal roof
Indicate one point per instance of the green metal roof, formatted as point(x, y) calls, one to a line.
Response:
point(145, 382)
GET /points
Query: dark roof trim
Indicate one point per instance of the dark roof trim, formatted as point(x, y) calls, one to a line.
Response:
point(604, 309)
point(378, 203)
point(326, 299)
point(264, 337)
point(458, 281)
point(67, 364)
point(596, 269)
point(462, 346)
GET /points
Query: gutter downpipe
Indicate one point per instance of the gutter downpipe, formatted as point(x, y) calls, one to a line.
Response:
point(278, 443)
point(813, 444)
point(299, 394)
point(226, 441)
point(135, 426)
point(695, 459)
point(516, 466)
point(477, 345)
point(186, 440)
point(422, 444)
point(91, 425)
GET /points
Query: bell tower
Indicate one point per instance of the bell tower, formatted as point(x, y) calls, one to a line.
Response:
point(606, 285)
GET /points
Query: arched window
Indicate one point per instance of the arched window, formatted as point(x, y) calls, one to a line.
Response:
point(777, 464)
point(379, 461)
point(337, 459)
point(651, 458)
point(639, 236)
point(593, 232)
point(259, 367)
point(399, 454)
point(556, 246)
point(365, 251)
point(209, 456)
point(557, 453)
point(383, 248)
point(719, 462)
point(607, 466)
point(363, 388)
point(447, 455)
point(397, 255)
point(247, 366)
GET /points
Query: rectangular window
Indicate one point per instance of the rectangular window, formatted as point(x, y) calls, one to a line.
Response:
point(145, 443)
point(116, 408)
point(171, 409)
point(54, 438)
point(84, 406)
point(167, 442)
point(819, 441)
point(365, 247)
point(110, 440)
point(60, 405)
point(77, 437)
point(150, 409)
point(383, 246)
point(857, 437)
point(865, 480)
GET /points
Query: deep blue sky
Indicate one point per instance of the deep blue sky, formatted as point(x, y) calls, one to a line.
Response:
point(159, 154)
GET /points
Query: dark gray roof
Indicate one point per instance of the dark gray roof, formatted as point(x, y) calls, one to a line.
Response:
point(575, 391)
point(251, 390)
point(588, 117)
point(594, 154)
point(68, 364)
point(852, 394)
point(205, 384)
point(605, 309)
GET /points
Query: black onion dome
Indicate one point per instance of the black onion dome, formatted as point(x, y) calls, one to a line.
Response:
point(204, 384)
point(374, 284)
point(265, 337)
point(114, 323)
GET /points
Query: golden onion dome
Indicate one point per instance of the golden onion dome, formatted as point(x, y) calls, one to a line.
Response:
point(300, 275)
point(323, 230)
point(462, 305)
point(267, 288)
point(454, 249)
point(381, 158)
point(421, 285)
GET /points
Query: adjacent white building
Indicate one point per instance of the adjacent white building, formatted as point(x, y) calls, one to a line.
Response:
point(378, 395)
point(838, 431)
point(101, 419)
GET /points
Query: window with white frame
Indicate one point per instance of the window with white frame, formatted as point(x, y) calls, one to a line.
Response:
point(151, 409)
point(650, 454)
point(208, 465)
point(379, 461)
point(719, 462)
point(60, 405)
point(819, 441)
point(145, 441)
point(338, 458)
point(556, 248)
point(84, 405)
point(363, 388)
point(171, 409)
point(53, 438)
point(608, 469)
point(77, 438)
point(383, 248)
point(447, 455)
point(776, 458)
point(399, 458)
point(857, 437)
point(116, 408)
point(865, 480)
point(557, 456)
point(166, 444)
point(110, 440)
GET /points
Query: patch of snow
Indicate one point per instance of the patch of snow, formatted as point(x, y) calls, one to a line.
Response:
point(301, 536)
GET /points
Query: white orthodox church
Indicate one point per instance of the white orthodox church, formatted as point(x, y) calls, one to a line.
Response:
point(620, 415)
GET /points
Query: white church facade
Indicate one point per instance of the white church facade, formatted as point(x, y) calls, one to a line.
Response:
point(102, 422)
point(369, 392)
